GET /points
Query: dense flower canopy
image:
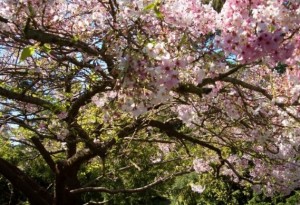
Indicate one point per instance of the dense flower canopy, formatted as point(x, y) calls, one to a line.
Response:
point(230, 79)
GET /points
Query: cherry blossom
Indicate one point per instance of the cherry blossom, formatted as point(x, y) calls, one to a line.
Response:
point(231, 79)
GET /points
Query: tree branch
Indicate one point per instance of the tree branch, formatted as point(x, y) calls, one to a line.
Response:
point(36, 194)
point(248, 86)
point(190, 88)
point(262, 91)
point(135, 190)
point(89, 153)
point(4, 20)
point(221, 76)
point(80, 157)
point(27, 99)
point(83, 100)
point(45, 154)
point(165, 127)
point(44, 37)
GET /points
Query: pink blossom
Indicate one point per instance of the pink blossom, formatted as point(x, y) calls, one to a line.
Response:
point(201, 165)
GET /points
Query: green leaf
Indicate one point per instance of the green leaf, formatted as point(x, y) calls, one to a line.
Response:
point(155, 7)
point(151, 6)
point(46, 48)
point(27, 52)
point(31, 10)
point(183, 40)
point(75, 38)
point(158, 13)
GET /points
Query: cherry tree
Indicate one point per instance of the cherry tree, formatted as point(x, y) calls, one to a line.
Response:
point(87, 82)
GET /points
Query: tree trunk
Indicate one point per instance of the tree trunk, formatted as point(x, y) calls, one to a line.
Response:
point(66, 180)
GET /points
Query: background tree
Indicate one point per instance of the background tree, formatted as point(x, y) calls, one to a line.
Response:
point(118, 101)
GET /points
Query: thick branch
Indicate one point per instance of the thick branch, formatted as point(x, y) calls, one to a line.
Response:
point(126, 131)
point(262, 91)
point(200, 89)
point(89, 153)
point(26, 126)
point(190, 88)
point(95, 148)
point(4, 20)
point(83, 100)
point(45, 154)
point(35, 194)
point(44, 37)
point(173, 133)
point(248, 86)
point(221, 76)
point(80, 157)
point(27, 99)
point(165, 127)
